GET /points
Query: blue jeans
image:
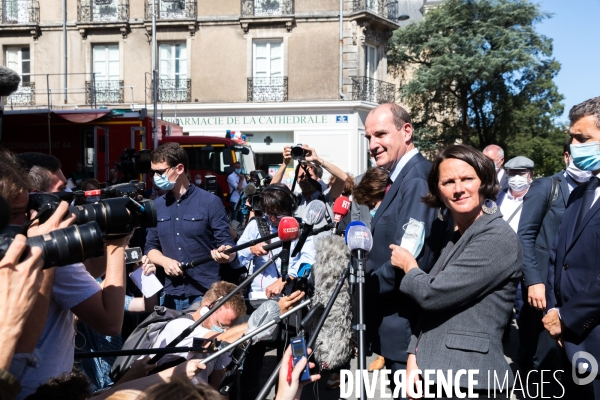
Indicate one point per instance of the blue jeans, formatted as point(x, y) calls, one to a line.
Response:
point(179, 302)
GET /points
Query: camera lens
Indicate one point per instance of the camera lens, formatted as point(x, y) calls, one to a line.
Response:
point(69, 245)
point(118, 216)
point(298, 153)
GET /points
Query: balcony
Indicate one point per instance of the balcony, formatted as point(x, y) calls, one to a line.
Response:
point(24, 96)
point(171, 10)
point(373, 90)
point(175, 90)
point(104, 92)
point(20, 12)
point(384, 8)
point(102, 11)
point(268, 89)
point(267, 8)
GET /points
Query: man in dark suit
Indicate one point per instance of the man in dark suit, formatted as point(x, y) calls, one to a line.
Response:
point(390, 313)
point(573, 292)
point(496, 154)
point(543, 209)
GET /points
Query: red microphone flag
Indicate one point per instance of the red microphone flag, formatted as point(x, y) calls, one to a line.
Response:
point(341, 206)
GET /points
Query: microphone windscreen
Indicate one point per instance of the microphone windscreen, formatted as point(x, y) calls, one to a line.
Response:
point(350, 225)
point(288, 229)
point(359, 238)
point(9, 81)
point(268, 311)
point(341, 206)
point(315, 212)
point(250, 190)
point(334, 343)
point(4, 213)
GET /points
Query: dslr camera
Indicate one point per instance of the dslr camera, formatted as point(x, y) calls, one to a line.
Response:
point(298, 153)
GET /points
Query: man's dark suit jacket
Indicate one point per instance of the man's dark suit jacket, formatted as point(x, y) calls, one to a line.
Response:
point(537, 228)
point(574, 277)
point(504, 181)
point(388, 311)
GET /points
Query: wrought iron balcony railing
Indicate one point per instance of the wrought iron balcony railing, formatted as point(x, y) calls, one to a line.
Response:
point(102, 10)
point(171, 9)
point(384, 8)
point(20, 12)
point(373, 90)
point(268, 89)
point(24, 96)
point(109, 91)
point(259, 8)
point(175, 90)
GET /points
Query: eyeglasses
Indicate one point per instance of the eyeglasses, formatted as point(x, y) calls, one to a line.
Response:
point(159, 171)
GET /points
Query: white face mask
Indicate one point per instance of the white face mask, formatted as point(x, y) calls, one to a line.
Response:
point(198, 181)
point(518, 183)
point(577, 174)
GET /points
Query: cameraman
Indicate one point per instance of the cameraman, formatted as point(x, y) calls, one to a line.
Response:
point(191, 222)
point(310, 188)
point(66, 291)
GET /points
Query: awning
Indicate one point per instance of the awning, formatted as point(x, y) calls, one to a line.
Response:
point(82, 116)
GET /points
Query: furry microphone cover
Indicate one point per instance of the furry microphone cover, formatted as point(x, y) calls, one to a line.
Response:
point(333, 346)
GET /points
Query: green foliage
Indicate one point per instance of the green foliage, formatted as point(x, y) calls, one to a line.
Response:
point(476, 71)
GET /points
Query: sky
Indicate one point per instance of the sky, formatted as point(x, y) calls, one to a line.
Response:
point(575, 30)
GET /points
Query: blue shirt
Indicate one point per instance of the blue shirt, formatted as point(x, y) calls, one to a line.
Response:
point(188, 229)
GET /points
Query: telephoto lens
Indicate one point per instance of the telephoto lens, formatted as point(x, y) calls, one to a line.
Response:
point(61, 247)
point(298, 153)
point(117, 217)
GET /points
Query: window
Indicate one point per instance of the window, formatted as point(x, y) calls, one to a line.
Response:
point(106, 74)
point(371, 62)
point(16, 11)
point(18, 59)
point(173, 85)
point(267, 66)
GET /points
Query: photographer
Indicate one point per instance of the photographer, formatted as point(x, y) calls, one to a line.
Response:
point(191, 222)
point(310, 187)
point(66, 291)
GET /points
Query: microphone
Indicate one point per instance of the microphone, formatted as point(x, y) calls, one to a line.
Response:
point(315, 212)
point(333, 346)
point(350, 225)
point(360, 241)
point(341, 206)
point(250, 190)
point(242, 246)
point(288, 230)
point(268, 311)
point(9, 81)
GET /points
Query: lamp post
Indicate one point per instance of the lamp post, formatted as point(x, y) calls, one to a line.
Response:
point(403, 17)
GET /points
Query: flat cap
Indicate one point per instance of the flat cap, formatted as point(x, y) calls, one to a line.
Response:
point(519, 162)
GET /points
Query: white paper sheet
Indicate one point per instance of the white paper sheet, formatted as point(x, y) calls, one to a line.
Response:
point(148, 284)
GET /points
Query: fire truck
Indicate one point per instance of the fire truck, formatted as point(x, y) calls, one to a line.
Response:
point(109, 138)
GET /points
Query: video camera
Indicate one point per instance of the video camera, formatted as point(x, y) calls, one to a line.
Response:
point(133, 163)
point(61, 247)
point(116, 216)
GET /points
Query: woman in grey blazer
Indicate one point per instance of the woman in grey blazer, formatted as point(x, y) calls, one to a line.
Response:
point(468, 295)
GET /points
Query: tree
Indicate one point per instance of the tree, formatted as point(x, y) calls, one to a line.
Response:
point(478, 72)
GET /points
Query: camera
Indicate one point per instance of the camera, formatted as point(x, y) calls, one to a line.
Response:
point(62, 246)
point(133, 163)
point(298, 153)
point(260, 179)
point(115, 217)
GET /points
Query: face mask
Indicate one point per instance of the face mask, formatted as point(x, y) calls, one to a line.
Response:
point(586, 156)
point(578, 175)
point(238, 170)
point(518, 183)
point(217, 329)
point(162, 182)
point(373, 212)
point(414, 237)
point(198, 181)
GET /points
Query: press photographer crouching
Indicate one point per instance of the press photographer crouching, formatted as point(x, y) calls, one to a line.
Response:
point(45, 348)
point(275, 203)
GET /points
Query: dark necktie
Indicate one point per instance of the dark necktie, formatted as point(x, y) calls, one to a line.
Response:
point(389, 185)
point(588, 199)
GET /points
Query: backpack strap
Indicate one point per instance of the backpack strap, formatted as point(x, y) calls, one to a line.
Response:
point(553, 194)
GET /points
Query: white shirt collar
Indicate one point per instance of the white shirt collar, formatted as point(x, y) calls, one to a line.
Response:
point(403, 161)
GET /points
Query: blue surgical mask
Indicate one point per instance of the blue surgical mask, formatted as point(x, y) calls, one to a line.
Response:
point(238, 170)
point(162, 182)
point(217, 328)
point(373, 212)
point(586, 156)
